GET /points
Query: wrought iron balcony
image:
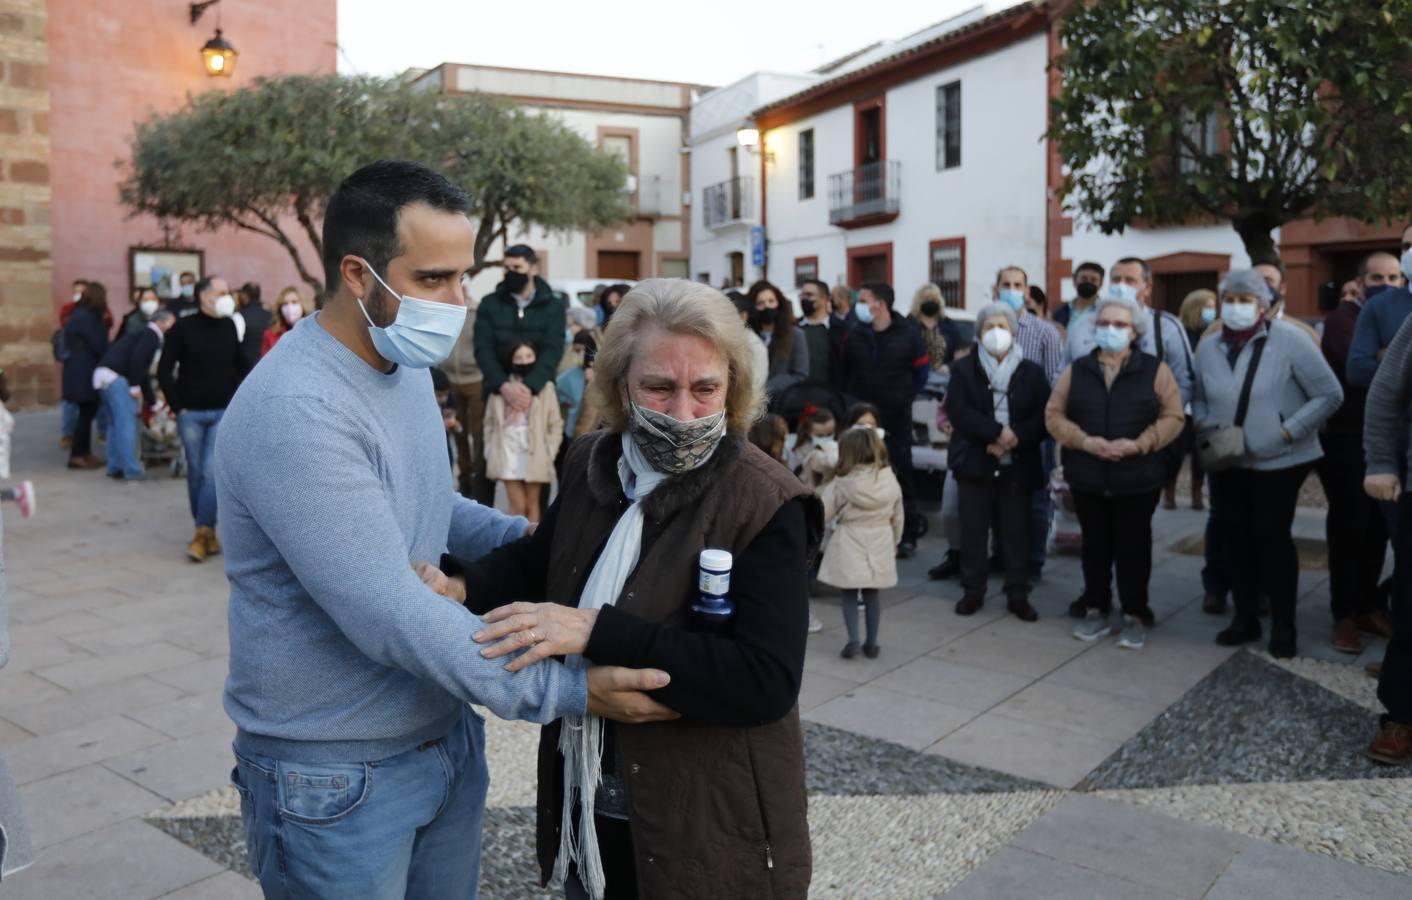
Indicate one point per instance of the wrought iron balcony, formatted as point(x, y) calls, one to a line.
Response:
point(732, 202)
point(867, 195)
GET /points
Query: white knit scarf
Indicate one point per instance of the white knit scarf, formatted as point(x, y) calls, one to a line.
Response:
point(998, 371)
point(581, 737)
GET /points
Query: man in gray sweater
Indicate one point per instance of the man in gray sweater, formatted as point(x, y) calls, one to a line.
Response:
point(1387, 422)
point(346, 670)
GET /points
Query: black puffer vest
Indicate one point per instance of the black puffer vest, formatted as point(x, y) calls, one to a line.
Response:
point(1125, 410)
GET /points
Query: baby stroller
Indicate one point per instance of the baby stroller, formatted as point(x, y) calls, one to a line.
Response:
point(160, 442)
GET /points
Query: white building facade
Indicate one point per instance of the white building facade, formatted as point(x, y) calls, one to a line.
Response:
point(645, 122)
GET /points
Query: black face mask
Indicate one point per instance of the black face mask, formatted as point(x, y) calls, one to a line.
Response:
point(522, 369)
point(767, 316)
point(1087, 289)
point(809, 305)
point(931, 309)
point(515, 281)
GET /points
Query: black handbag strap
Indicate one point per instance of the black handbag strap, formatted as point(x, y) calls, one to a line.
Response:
point(1244, 403)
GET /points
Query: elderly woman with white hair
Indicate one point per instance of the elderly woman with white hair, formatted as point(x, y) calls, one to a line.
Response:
point(995, 402)
point(1112, 411)
point(1261, 393)
point(651, 810)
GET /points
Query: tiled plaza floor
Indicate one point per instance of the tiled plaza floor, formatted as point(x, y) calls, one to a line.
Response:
point(978, 757)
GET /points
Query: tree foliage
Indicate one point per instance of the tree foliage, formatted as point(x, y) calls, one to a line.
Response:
point(1255, 112)
point(265, 159)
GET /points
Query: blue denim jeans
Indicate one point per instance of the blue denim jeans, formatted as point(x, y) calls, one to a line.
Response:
point(198, 437)
point(406, 826)
point(122, 429)
point(68, 418)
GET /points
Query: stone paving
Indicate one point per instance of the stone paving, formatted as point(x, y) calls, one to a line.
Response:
point(981, 757)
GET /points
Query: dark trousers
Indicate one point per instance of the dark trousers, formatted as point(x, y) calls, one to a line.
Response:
point(83, 430)
point(1004, 505)
point(1256, 512)
point(1216, 573)
point(1395, 683)
point(1357, 537)
point(619, 867)
point(470, 412)
point(1117, 539)
point(1041, 513)
point(898, 426)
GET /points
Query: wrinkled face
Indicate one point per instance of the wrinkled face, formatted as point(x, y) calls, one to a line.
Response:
point(995, 322)
point(1117, 317)
point(767, 300)
point(1131, 275)
point(1238, 299)
point(681, 375)
point(1351, 291)
point(524, 356)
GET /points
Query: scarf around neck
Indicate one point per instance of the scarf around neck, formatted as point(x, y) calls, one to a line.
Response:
point(581, 738)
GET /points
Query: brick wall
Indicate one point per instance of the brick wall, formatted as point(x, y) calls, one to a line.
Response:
point(26, 241)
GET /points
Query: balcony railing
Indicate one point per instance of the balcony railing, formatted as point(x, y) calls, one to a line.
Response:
point(867, 195)
point(732, 202)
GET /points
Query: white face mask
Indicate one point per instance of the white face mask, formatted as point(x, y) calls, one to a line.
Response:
point(1240, 316)
point(292, 312)
point(148, 308)
point(224, 306)
point(78, 295)
point(997, 341)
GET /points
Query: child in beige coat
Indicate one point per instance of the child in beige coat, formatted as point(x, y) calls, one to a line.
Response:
point(520, 445)
point(864, 501)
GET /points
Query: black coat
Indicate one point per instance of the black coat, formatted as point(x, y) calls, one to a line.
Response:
point(257, 322)
point(886, 368)
point(971, 408)
point(86, 340)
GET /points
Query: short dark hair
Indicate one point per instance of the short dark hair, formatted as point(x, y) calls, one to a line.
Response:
point(522, 251)
point(361, 217)
point(1037, 295)
point(858, 411)
point(882, 290)
point(251, 290)
point(191, 275)
point(1363, 263)
point(1090, 267)
point(509, 349)
point(203, 285)
point(823, 286)
point(1137, 260)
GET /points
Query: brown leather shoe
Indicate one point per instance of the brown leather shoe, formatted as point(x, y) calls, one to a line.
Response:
point(213, 546)
point(970, 604)
point(86, 462)
point(1375, 622)
point(1214, 604)
point(1346, 638)
point(196, 550)
point(1393, 745)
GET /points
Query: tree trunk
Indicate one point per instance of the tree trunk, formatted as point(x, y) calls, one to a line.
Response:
point(1254, 231)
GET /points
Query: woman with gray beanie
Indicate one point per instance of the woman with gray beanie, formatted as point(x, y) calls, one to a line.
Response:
point(995, 402)
point(1112, 411)
point(1260, 394)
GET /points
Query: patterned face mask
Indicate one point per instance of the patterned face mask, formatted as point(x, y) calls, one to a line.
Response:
point(671, 445)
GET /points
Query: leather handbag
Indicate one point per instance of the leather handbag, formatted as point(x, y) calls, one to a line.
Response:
point(1222, 447)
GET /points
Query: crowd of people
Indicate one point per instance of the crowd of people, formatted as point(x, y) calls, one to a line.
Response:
point(681, 469)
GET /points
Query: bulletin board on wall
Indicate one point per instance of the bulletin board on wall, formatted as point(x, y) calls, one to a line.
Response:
point(161, 267)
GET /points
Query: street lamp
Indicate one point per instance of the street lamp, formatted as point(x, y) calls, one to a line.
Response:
point(749, 138)
point(217, 55)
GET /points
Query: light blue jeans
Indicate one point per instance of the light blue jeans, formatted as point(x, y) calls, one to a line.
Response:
point(406, 826)
point(198, 437)
point(122, 429)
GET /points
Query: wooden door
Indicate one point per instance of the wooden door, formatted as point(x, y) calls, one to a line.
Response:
point(620, 264)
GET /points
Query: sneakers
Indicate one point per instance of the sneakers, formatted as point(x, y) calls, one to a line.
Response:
point(1392, 746)
point(815, 626)
point(1134, 634)
point(1097, 626)
point(24, 496)
point(1346, 638)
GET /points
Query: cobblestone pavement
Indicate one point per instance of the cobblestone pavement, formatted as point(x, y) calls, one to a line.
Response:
point(977, 757)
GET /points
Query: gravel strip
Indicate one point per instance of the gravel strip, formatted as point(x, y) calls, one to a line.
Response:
point(1365, 822)
point(220, 803)
point(842, 763)
point(1247, 722)
point(1349, 682)
point(911, 848)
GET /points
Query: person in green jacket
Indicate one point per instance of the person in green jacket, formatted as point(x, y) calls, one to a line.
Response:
point(522, 308)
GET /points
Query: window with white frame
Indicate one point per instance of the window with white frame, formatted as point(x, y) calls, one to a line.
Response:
point(948, 126)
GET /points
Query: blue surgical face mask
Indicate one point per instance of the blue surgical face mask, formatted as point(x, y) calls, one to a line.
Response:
point(1208, 314)
point(423, 333)
point(1015, 299)
point(1120, 291)
point(865, 313)
point(1112, 338)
